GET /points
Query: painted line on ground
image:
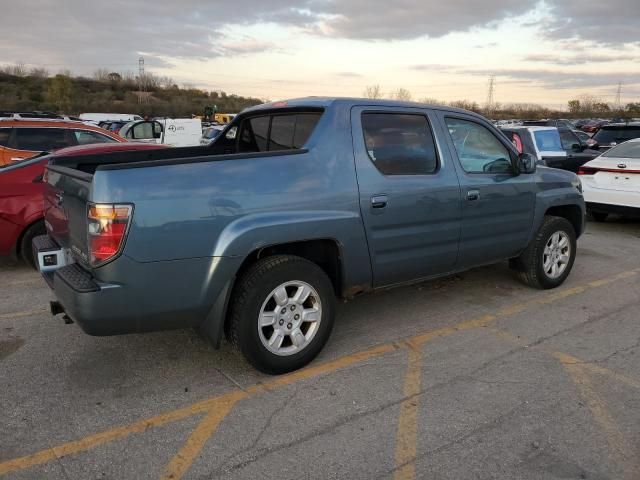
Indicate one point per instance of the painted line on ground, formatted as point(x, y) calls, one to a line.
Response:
point(407, 432)
point(206, 405)
point(621, 448)
point(181, 462)
point(23, 313)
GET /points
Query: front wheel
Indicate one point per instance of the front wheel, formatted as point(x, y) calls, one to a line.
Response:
point(547, 261)
point(281, 313)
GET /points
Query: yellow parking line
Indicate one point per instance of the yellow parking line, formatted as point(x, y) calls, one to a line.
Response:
point(407, 433)
point(309, 372)
point(182, 461)
point(620, 446)
point(23, 313)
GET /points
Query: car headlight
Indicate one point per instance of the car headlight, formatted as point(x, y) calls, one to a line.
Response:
point(577, 183)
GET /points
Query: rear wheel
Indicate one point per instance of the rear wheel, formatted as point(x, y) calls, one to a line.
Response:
point(281, 313)
point(26, 250)
point(599, 216)
point(547, 261)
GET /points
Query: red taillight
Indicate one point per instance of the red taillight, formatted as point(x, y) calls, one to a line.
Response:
point(107, 226)
point(587, 171)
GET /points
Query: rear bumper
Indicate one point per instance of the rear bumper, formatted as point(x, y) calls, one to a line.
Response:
point(602, 196)
point(126, 296)
point(619, 209)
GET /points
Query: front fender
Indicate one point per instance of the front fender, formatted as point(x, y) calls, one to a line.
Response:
point(556, 197)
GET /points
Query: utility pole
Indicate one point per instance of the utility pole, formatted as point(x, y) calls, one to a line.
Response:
point(492, 81)
point(618, 101)
point(142, 82)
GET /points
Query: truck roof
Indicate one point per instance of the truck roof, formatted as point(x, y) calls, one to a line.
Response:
point(326, 102)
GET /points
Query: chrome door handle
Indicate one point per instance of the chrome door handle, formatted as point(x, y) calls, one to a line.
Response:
point(379, 201)
point(473, 195)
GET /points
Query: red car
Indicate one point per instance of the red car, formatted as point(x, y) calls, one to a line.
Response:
point(21, 196)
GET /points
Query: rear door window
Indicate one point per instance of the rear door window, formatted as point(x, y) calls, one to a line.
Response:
point(85, 137)
point(400, 144)
point(568, 139)
point(42, 139)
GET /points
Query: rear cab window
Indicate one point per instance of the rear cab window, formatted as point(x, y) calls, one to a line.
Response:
point(400, 143)
point(276, 131)
point(548, 140)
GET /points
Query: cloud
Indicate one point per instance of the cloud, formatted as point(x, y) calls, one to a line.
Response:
point(610, 22)
point(554, 79)
point(580, 59)
point(93, 34)
point(408, 19)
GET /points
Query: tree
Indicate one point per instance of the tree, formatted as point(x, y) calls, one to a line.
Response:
point(403, 95)
point(60, 92)
point(39, 73)
point(431, 101)
point(372, 91)
point(574, 106)
point(101, 75)
point(114, 77)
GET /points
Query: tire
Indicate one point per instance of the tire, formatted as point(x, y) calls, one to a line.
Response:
point(530, 264)
point(599, 216)
point(26, 250)
point(254, 299)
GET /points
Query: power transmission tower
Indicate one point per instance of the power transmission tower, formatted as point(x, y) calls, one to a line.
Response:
point(142, 82)
point(618, 101)
point(492, 82)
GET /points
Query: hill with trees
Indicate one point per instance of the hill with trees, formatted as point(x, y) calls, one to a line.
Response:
point(27, 90)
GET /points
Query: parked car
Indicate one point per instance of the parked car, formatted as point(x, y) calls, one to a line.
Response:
point(25, 138)
point(115, 126)
point(297, 202)
point(610, 135)
point(555, 147)
point(593, 126)
point(578, 152)
point(210, 134)
point(106, 117)
point(583, 136)
point(549, 122)
point(21, 196)
point(611, 182)
point(177, 132)
point(542, 142)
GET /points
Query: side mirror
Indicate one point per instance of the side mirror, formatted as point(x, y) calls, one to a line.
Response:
point(527, 163)
point(576, 147)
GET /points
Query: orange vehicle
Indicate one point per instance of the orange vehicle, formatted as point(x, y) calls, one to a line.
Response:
point(23, 138)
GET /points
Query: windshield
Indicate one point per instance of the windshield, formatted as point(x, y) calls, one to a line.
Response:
point(625, 150)
point(616, 134)
point(548, 140)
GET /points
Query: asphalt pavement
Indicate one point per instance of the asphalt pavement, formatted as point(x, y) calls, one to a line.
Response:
point(473, 376)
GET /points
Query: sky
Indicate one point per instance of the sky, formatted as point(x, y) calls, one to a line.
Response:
point(545, 52)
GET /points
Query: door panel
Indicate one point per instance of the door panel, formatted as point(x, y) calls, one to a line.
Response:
point(412, 221)
point(497, 206)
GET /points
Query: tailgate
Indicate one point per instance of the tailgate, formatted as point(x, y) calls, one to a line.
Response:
point(67, 192)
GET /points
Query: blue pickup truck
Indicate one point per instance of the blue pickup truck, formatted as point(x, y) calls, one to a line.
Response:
point(297, 203)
